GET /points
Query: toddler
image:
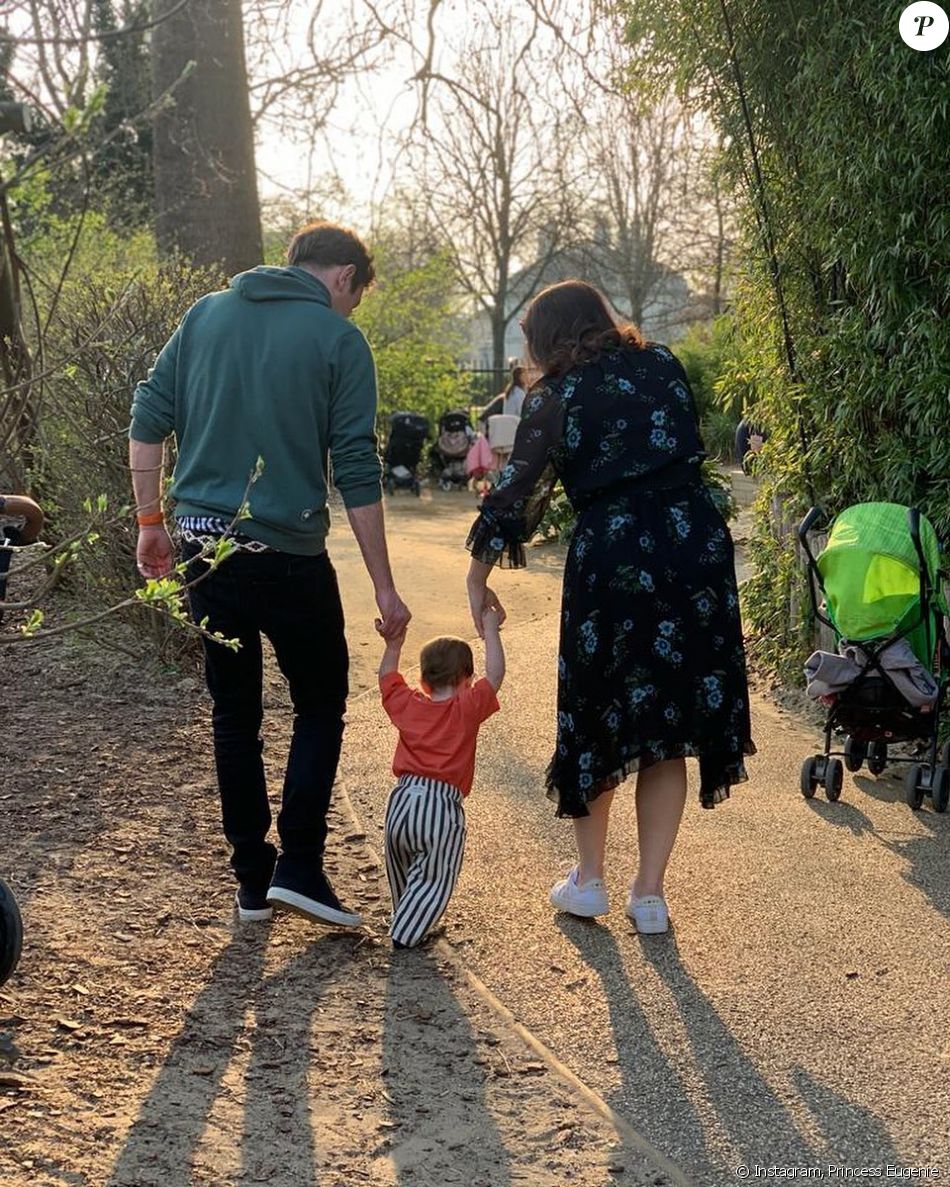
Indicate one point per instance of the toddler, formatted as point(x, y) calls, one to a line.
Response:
point(435, 765)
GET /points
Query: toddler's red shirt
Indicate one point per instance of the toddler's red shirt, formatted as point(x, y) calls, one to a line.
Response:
point(437, 738)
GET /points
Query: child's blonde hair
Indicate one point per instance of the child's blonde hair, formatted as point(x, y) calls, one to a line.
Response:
point(446, 661)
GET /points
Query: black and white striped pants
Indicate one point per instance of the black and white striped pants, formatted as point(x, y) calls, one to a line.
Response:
point(425, 844)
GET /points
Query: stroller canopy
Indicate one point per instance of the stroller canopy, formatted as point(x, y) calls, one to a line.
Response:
point(871, 576)
point(453, 421)
point(409, 424)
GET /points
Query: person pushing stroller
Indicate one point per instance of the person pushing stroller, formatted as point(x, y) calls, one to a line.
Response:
point(435, 765)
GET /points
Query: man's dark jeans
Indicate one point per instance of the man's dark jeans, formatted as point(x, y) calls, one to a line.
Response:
point(295, 602)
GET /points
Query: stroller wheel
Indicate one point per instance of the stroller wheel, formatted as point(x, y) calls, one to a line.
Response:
point(854, 754)
point(913, 791)
point(877, 757)
point(834, 777)
point(445, 484)
point(809, 779)
point(940, 789)
point(11, 932)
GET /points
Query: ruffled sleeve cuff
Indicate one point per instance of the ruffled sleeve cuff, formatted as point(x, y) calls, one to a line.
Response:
point(494, 541)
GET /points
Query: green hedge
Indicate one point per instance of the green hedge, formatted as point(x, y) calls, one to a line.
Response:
point(836, 138)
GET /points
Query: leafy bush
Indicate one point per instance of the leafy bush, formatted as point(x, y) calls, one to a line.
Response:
point(409, 320)
point(844, 295)
point(104, 322)
point(558, 520)
point(706, 351)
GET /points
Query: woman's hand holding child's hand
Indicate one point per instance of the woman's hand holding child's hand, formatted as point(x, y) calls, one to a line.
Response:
point(492, 618)
point(481, 600)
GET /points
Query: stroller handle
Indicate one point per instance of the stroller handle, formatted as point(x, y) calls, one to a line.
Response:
point(809, 522)
point(913, 524)
point(814, 576)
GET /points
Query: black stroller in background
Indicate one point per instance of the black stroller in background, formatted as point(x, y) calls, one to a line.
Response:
point(447, 456)
point(408, 433)
point(21, 521)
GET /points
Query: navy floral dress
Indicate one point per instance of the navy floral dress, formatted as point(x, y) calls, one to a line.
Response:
point(651, 663)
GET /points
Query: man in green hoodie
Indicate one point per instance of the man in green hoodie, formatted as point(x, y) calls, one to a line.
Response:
point(272, 369)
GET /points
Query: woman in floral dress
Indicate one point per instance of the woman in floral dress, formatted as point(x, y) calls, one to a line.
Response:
point(651, 667)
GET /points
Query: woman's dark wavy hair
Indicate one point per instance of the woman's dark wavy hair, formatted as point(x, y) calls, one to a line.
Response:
point(569, 324)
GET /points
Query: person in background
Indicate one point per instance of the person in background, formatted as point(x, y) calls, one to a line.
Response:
point(749, 440)
point(515, 392)
point(510, 400)
point(271, 368)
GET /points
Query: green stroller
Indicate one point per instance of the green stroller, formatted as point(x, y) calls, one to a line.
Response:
point(880, 578)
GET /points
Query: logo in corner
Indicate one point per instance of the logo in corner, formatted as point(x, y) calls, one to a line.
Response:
point(924, 25)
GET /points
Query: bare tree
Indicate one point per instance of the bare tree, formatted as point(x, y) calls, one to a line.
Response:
point(633, 154)
point(493, 162)
point(297, 61)
point(659, 213)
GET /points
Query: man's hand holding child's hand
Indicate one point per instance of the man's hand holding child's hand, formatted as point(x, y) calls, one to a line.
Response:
point(396, 642)
point(390, 660)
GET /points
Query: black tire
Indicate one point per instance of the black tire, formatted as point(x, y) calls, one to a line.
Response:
point(854, 754)
point(11, 932)
point(834, 778)
point(940, 791)
point(913, 792)
point(809, 782)
point(945, 755)
point(877, 757)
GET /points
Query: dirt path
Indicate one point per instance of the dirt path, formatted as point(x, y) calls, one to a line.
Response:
point(162, 1045)
point(795, 1016)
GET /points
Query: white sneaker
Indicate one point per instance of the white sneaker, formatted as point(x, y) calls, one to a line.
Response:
point(649, 913)
point(587, 901)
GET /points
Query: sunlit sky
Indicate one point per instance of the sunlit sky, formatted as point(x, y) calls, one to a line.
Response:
point(360, 142)
point(358, 145)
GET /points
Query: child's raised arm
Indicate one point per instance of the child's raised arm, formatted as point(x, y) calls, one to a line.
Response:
point(494, 652)
point(390, 660)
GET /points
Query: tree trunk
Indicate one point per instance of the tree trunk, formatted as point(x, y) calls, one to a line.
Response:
point(499, 323)
point(206, 202)
point(17, 412)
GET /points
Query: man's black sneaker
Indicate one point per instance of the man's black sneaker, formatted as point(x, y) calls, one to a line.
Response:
point(252, 906)
point(315, 900)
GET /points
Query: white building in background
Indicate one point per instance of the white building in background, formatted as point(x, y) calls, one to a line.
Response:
point(670, 306)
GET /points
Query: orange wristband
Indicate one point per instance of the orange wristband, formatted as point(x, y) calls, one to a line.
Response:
point(151, 521)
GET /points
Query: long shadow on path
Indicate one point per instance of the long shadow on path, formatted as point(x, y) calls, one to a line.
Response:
point(255, 1127)
point(444, 1133)
point(927, 855)
point(161, 1144)
point(745, 1120)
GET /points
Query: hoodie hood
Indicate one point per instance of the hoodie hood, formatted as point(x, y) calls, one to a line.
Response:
point(280, 284)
